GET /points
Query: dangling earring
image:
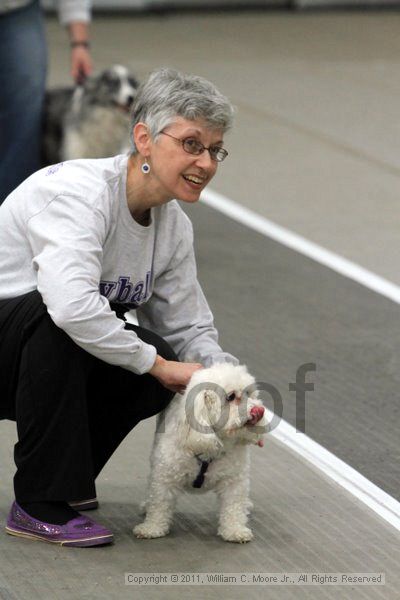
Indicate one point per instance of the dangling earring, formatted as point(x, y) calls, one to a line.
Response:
point(145, 167)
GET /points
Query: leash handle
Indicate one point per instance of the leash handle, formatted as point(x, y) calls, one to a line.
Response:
point(81, 78)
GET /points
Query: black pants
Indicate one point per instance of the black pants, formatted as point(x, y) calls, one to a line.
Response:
point(72, 410)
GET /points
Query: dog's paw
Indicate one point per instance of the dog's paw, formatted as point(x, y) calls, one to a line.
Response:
point(240, 536)
point(150, 530)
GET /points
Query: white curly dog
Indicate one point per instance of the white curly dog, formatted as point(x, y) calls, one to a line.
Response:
point(202, 443)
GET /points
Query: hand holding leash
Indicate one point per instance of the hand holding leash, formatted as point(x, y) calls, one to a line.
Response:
point(81, 62)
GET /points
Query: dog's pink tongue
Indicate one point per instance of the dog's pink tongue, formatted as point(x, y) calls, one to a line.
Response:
point(256, 414)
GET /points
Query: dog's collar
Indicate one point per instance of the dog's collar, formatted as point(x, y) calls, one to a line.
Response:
point(204, 464)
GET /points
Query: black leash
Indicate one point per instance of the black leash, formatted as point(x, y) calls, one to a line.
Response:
point(204, 464)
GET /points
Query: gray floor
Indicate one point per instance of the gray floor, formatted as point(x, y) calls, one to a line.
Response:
point(315, 149)
point(282, 311)
point(302, 522)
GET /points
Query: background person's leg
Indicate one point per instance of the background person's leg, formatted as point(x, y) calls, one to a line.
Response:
point(23, 62)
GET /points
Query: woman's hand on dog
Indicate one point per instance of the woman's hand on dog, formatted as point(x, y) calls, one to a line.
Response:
point(173, 375)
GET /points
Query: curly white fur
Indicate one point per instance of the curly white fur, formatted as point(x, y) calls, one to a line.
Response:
point(215, 421)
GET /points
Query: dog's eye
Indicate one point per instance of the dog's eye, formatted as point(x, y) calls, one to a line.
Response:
point(231, 397)
point(132, 81)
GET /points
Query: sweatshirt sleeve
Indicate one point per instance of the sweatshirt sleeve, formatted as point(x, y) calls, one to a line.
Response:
point(67, 238)
point(73, 10)
point(179, 312)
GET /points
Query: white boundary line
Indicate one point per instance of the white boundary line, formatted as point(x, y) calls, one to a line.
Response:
point(333, 467)
point(351, 480)
point(296, 242)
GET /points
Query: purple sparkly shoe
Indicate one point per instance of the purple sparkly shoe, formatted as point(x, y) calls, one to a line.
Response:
point(80, 531)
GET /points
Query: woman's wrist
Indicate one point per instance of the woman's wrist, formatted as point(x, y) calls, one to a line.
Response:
point(158, 363)
point(80, 44)
point(78, 34)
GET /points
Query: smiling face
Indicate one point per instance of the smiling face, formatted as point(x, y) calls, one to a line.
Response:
point(175, 172)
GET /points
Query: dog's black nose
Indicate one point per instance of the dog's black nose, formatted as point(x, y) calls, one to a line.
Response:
point(129, 100)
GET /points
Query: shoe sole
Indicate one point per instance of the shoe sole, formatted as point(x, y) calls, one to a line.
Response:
point(91, 541)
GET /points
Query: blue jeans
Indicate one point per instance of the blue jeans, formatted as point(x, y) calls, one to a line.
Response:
point(23, 63)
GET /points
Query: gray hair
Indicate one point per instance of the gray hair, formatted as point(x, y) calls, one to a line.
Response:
point(168, 94)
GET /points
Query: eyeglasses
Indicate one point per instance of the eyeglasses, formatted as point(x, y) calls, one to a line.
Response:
point(193, 146)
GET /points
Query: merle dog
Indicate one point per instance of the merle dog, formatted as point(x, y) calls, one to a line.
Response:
point(90, 120)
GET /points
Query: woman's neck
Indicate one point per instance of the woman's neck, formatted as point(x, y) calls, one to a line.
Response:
point(141, 192)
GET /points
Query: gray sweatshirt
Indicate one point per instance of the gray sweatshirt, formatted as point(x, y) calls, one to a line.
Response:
point(67, 232)
point(68, 10)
